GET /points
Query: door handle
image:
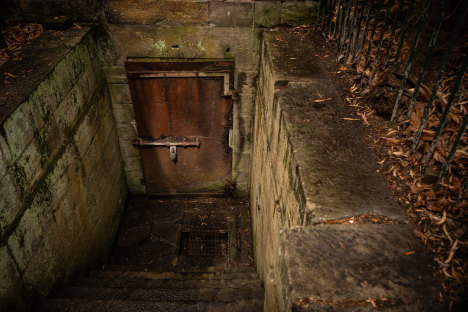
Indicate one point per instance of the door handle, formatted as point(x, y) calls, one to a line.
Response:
point(171, 142)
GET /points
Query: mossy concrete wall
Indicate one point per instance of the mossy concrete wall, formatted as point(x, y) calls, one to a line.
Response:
point(234, 13)
point(62, 185)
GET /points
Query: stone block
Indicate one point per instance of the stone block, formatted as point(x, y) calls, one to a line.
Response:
point(123, 112)
point(242, 176)
point(89, 80)
point(127, 131)
point(10, 282)
point(19, 130)
point(132, 163)
point(78, 59)
point(245, 106)
point(231, 14)
point(241, 43)
point(49, 140)
point(5, 157)
point(10, 203)
point(63, 79)
point(104, 145)
point(296, 13)
point(28, 168)
point(127, 149)
point(241, 161)
point(69, 110)
point(155, 12)
point(86, 131)
point(135, 182)
point(42, 272)
point(267, 13)
point(45, 99)
point(330, 265)
point(67, 169)
point(115, 74)
point(27, 235)
point(120, 93)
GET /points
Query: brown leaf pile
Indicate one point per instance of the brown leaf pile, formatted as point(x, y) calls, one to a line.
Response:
point(17, 35)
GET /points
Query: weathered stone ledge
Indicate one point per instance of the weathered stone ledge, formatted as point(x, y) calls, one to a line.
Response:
point(310, 164)
point(169, 13)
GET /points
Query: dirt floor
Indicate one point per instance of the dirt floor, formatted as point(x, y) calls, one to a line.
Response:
point(411, 189)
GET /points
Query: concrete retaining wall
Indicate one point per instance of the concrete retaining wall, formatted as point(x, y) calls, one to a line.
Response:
point(310, 166)
point(62, 186)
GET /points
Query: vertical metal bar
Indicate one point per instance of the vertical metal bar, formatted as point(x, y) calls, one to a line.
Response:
point(364, 36)
point(444, 117)
point(379, 46)
point(390, 40)
point(403, 33)
point(374, 27)
point(342, 41)
point(453, 40)
point(351, 30)
point(330, 23)
point(322, 13)
point(434, 36)
point(422, 21)
point(337, 17)
point(361, 14)
point(453, 150)
point(343, 19)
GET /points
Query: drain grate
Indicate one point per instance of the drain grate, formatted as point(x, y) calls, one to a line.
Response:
point(204, 242)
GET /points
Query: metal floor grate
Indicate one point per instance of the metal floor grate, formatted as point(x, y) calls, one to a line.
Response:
point(204, 242)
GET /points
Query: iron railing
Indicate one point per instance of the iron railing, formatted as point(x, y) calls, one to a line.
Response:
point(381, 32)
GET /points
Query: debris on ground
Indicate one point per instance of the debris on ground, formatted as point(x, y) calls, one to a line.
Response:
point(17, 35)
point(440, 214)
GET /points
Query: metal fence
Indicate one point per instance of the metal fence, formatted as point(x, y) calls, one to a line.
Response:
point(372, 34)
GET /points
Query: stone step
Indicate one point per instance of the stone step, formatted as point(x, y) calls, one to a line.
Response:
point(368, 307)
point(167, 283)
point(174, 275)
point(162, 295)
point(180, 269)
point(85, 305)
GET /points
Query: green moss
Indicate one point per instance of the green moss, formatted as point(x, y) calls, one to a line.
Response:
point(267, 15)
point(20, 177)
point(207, 187)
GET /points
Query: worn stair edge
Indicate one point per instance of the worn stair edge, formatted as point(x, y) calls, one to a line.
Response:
point(369, 307)
point(191, 295)
point(165, 283)
point(179, 269)
point(84, 305)
point(173, 275)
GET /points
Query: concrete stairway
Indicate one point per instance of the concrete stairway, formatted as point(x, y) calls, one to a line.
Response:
point(150, 271)
point(129, 289)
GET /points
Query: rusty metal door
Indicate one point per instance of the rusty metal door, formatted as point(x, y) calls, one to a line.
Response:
point(183, 115)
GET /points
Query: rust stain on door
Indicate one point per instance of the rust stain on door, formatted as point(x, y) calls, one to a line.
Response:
point(178, 103)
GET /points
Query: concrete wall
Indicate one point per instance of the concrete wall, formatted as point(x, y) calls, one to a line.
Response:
point(277, 197)
point(236, 13)
point(62, 187)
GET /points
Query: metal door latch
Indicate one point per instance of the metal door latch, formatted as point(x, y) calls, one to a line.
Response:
point(171, 142)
